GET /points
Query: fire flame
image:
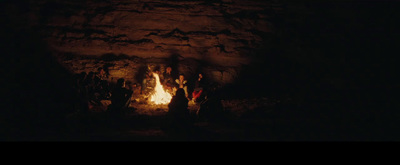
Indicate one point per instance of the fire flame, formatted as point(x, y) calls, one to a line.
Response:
point(160, 96)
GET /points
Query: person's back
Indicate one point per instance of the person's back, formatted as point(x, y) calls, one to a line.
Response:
point(178, 109)
point(120, 96)
point(178, 106)
point(211, 109)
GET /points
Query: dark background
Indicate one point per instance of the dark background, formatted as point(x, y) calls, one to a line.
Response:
point(333, 58)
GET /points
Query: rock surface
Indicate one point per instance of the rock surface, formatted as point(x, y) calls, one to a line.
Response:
point(220, 35)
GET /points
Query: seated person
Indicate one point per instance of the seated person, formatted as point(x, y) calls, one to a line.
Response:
point(135, 87)
point(101, 74)
point(120, 96)
point(211, 109)
point(147, 83)
point(181, 83)
point(102, 84)
point(178, 113)
point(199, 87)
point(91, 85)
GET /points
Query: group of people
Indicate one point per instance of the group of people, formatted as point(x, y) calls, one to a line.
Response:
point(93, 87)
point(210, 109)
point(172, 83)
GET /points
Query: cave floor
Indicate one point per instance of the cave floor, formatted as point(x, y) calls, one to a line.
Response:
point(243, 120)
point(251, 119)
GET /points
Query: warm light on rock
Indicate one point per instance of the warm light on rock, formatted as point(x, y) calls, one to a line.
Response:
point(160, 96)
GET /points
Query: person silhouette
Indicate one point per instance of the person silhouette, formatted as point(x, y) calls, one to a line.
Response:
point(120, 97)
point(178, 113)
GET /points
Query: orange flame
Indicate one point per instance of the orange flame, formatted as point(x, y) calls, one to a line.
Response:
point(160, 96)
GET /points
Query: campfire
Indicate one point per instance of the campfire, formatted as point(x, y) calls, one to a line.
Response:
point(160, 96)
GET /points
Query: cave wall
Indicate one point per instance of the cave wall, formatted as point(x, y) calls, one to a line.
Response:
point(132, 69)
point(219, 36)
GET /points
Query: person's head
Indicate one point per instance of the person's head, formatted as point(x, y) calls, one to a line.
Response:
point(151, 67)
point(121, 82)
point(180, 93)
point(101, 71)
point(181, 77)
point(168, 70)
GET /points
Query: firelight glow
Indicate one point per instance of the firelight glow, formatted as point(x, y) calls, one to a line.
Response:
point(160, 96)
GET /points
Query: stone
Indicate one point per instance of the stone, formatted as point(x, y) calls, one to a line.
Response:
point(219, 34)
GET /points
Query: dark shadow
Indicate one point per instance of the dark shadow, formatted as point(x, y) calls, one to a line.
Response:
point(173, 62)
point(109, 57)
point(140, 75)
point(37, 90)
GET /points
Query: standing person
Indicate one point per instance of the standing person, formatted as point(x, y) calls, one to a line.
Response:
point(120, 96)
point(168, 81)
point(199, 87)
point(181, 83)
